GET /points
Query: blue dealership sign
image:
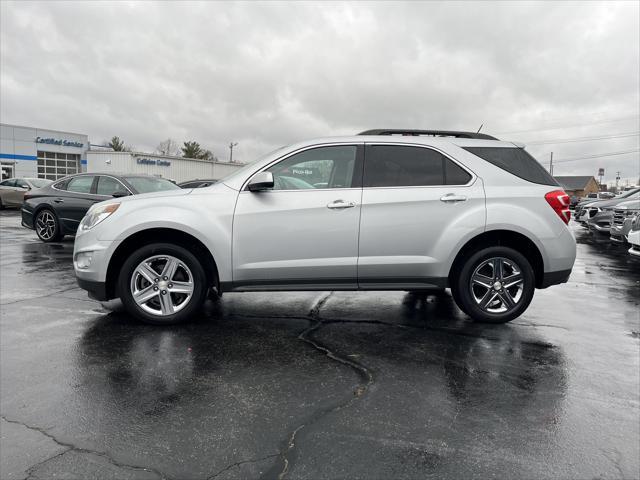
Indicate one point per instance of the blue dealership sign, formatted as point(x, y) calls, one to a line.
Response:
point(153, 161)
point(59, 141)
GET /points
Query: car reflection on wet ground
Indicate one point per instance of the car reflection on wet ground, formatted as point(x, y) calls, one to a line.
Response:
point(318, 385)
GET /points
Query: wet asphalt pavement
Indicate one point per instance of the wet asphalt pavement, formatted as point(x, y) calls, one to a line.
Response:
point(315, 385)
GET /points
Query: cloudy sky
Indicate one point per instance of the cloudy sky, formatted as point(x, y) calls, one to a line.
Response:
point(268, 74)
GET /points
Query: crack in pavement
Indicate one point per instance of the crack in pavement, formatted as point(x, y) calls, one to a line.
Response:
point(242, 462)
point(71, 447)
point(366, 380)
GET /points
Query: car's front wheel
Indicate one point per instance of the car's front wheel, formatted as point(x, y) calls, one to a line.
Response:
point(495, 285)
point(47, 226)
point(162, 284)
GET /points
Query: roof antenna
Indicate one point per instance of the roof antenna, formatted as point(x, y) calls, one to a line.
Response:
point(481, 125)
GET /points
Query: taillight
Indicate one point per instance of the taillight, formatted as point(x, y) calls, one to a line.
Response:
point(559, 201)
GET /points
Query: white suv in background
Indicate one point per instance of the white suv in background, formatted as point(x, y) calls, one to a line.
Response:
point(383, 210)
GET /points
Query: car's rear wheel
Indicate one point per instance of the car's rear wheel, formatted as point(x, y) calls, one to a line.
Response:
point(47, 226)
point(162, 284)
point(495, 285)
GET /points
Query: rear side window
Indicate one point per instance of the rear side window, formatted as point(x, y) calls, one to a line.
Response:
point(8, 183)
point(80, 184)
point(516, 161)
point(406, 166)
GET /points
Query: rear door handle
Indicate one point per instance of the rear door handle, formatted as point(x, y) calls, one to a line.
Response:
point(59, 200)
point(340, 204)
point(452, 198)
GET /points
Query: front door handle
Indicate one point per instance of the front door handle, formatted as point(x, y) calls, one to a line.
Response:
point(340, 204)
point(452, 198)
point(59, 200)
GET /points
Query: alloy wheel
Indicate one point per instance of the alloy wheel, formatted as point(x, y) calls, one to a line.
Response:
point(162, 285)
point(46, 225)
point(497, 285)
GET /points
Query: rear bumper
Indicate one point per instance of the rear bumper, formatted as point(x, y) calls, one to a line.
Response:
point(554, 278)
point(96, 290)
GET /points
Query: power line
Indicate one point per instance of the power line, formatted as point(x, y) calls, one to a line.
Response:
point(559, 127)
point(586, 157)
point(584, 139)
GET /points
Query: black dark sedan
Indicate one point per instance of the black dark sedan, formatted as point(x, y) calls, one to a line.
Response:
point(57, 209)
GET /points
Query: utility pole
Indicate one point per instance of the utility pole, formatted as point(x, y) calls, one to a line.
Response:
point(231, 145)
point(551, 164)
point(617, 180)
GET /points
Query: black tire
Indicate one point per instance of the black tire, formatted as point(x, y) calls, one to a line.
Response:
point(186, 258)
point(514, 299)
point(52, 233)
point(1, 204)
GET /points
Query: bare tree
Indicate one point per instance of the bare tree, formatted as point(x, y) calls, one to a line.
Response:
point(168, 147)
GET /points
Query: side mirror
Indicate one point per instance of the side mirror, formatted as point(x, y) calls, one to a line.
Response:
point(119, 194)
point(261, 181)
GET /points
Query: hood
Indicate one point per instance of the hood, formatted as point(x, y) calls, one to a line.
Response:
point(604, 203)
point(629, 205)
point(165, 193)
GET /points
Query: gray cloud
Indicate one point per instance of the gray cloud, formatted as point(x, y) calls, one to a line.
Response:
point(267, 74)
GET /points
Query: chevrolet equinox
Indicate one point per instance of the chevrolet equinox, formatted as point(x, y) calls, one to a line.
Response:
point(384, 210)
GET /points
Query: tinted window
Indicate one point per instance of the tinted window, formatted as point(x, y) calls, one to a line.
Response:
point(80, 184)
point(516, 161)
point(323, 167)
point(109, 186)
point(21, 183)
point(8, 183)
point(454, 174)
point(405, 166)
point(151, 184)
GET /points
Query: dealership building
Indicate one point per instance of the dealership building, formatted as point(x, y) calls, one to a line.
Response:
point(40, 153)
point(53, 154)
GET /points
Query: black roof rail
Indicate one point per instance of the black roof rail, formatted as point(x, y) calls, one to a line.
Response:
point(433, 133)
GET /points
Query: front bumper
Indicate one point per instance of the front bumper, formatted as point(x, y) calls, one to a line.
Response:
point(600, 222)
point(96, 290)
point(93, 274)
point(554, 278)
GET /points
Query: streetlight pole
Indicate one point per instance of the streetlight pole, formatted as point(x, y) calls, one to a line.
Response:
point(231, 145)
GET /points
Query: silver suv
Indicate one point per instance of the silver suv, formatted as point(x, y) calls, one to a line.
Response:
point(383, 210)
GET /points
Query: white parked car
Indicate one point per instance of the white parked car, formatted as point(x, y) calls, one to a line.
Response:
point(634, 237)
point(375, 211)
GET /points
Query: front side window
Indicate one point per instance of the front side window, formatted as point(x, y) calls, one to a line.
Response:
point(80, 184)
point(21, 183)
point(323, 167)
point(407, 166)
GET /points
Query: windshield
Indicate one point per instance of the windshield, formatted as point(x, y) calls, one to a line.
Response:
point(630, 193)
point(151, 184)
point(39, 182)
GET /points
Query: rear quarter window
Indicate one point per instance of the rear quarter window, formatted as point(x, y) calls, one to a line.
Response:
point(516, 161)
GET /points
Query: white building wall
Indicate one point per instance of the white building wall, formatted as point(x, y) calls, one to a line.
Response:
point(178, 169)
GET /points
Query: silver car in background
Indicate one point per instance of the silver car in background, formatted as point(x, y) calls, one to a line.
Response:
point(383, 210)
point(623, 215)
point(12, 190)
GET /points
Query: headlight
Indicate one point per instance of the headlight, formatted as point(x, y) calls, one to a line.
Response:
point(635, 224)
point(97, 214)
